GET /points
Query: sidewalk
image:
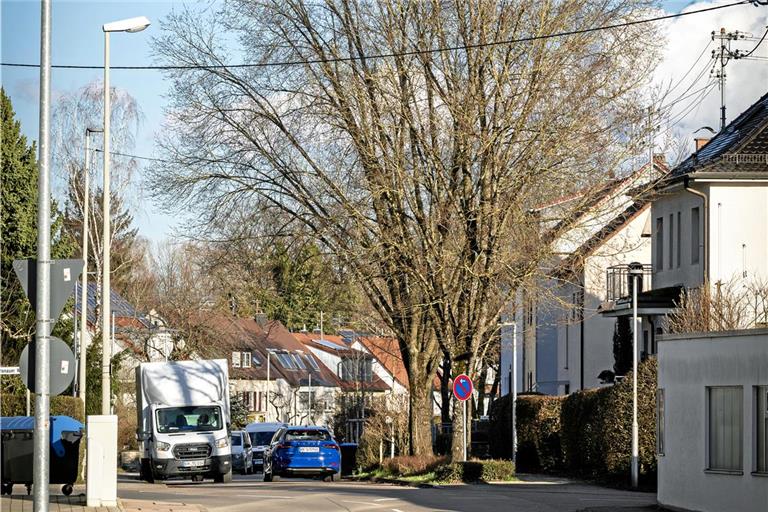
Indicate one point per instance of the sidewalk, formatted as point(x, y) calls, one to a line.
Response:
point(76, 503)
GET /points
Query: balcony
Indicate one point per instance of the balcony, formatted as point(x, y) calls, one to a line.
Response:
point(618, 282)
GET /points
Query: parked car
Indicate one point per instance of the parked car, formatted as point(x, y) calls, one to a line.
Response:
point(242, 452)
point(261, 435)
point(302, 451)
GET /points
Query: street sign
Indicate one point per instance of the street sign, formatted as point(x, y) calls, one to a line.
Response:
point(9, 370)
point(462, 387)
point(64, 274)
point(62, 367)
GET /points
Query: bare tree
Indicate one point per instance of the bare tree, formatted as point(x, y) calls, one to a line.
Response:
point(74, 112)
point(409, 141)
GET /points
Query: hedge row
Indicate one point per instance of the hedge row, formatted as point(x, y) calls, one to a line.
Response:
point(476, 471)
point(14, 405)
point(586, 433)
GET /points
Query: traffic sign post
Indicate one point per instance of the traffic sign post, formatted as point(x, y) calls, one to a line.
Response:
point(61, 367)
point(462, 390)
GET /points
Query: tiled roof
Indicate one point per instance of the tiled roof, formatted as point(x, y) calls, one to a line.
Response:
point(387, 353)
point(745, 135)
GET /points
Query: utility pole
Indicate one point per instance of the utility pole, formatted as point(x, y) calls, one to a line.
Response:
point(723, 55)
point(41, 436)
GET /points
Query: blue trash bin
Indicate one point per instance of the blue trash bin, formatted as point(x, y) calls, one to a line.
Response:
point(16, 436)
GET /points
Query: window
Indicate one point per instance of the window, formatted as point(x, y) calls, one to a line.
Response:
point(356, 369)
point(235, 359)
point(671, 242)
point(660, 243)
point(695, 236)
point(312, 361)
point(678, 245)
point(246, 356)
point(285, 359)
point(725, 425)
point(299, 361)
point(761, 430)
point(660, 422)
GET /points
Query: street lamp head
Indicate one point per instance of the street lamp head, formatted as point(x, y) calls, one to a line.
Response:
point(128, 25)
point(635, 268)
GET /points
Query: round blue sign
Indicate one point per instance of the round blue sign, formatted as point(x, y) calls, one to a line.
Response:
point(462, 387)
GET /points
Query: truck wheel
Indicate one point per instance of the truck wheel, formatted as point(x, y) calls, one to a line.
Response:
point(145, 471)
point(7, 489)
point(66, 489)
point(223, 478)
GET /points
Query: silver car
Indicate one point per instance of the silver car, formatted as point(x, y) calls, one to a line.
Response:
point(242, 452)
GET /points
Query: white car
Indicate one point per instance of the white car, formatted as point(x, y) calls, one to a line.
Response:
point(261, 435)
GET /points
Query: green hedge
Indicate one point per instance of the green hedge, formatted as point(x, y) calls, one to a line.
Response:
point(586, 433)
point(538, 433)
point(15, 405)
point(476, 471)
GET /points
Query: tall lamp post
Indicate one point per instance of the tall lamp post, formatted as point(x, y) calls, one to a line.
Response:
point(84, 287)
point(127, 25)
point(635, 273)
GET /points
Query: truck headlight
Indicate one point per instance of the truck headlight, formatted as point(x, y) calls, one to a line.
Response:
point(162, 447)
point(222, 443)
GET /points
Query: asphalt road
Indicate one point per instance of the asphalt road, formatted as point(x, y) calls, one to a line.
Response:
point(297, 495)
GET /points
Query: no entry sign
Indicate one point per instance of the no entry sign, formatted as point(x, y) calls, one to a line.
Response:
point(462, 387)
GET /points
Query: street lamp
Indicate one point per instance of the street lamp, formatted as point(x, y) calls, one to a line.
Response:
point(635, 272)
point(84, 288)
point(127, 25)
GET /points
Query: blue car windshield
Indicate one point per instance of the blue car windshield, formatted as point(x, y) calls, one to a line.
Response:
point(189, 419)
point(308, 435)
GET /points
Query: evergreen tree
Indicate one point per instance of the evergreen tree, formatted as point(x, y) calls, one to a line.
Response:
point(622, 346)
point(18, 225)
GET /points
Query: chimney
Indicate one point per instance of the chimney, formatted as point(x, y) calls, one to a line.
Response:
point(700, 142)
point(261, 319)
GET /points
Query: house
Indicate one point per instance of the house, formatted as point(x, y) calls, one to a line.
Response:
point(273, 374)
point(709, 224)
point(562, 343)
point(712, 440)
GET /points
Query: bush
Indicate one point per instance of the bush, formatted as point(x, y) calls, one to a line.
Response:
point(582, 430)
point(500, 430)
point(476, 471)
point(538, 433)
point(411, 465)
point(16, 405)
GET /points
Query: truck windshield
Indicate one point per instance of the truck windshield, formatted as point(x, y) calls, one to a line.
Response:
point(189, 419)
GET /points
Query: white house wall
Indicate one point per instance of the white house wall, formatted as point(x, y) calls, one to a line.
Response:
point(738, 215)
point(686, 273)
point(688, 364)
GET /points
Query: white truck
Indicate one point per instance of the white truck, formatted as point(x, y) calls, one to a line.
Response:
point(183, 415)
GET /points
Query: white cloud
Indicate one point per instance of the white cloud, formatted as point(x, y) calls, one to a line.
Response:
point(746, 80)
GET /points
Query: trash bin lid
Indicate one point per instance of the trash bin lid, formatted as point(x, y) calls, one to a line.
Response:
point(59, 425)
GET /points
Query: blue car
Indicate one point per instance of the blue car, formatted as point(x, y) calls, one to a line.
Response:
point(302, 451)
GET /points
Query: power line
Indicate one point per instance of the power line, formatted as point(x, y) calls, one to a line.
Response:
point(402, 54)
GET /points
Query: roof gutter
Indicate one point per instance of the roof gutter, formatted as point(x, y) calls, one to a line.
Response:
point(705, 200)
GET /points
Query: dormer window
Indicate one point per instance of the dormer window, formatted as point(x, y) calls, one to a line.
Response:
point(236, 359)
point(246, 356)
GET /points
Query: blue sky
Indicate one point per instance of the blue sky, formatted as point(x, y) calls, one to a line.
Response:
point(78, 39)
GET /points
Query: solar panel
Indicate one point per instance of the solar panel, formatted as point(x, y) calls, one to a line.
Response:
point(329, 344)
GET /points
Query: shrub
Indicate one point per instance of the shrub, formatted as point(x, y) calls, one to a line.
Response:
point(411, 465)
point(500, 429)
point(16, 405)
point(476, 471)
point(538, 433)
point(582, 430)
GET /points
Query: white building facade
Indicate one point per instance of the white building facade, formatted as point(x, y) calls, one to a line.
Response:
point(713, 421)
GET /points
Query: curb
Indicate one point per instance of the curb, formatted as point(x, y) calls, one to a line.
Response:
point(396, 481)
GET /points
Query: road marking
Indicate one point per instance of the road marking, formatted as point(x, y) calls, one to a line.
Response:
point(266, 496)
point(386, 499)
point(396, 510)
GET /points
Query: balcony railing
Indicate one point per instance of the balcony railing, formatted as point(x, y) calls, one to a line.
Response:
point(618, 282)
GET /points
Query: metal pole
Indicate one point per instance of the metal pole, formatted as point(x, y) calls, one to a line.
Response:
point(75, 343)
point(392, 440)
point(29, 402)
point(465, 430)
point(514, 391)
point(41, 442)
point(84, 287)
point(106, 309)
point(269, 386)
point(309, 414)
point(635, 454)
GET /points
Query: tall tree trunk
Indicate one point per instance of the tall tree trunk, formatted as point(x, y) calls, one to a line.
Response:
point(420, 413)
point(459, 421)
